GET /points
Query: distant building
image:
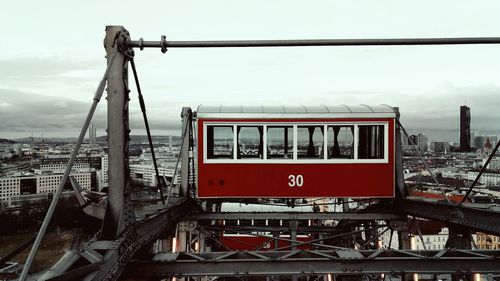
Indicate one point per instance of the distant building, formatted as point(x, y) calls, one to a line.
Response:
point(103, 182)
point(147, 174)
point(465, 128)
point(491, 178)
point(428, 180)
point(472, 137)
point(493, 140)
point(487, 145)
point(404, 139)
point(487, 242)
point(431, 235)
point(93, 161)
point(413, 139)
point(493, 165)
point(92, 134)
point(39, 184)
point(50, 183)
point(440, 146)
point(422, 142)
point(430, 241)
point(82, 164)
point(479, 142)
point(60, 168)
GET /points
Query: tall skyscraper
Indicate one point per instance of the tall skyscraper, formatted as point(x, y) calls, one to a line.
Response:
point(464, 128)
point(92, 134)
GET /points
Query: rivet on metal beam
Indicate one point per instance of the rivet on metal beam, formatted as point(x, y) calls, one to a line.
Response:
point(163, 44)
point(141, 44)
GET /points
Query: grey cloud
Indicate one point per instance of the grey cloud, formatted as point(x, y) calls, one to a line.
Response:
point(26, 112)
point(43, 66)
point(438, 108)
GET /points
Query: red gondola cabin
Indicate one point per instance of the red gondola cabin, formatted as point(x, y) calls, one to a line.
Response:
point(296, 152)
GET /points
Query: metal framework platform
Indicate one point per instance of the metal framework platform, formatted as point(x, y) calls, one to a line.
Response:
point(342, 262)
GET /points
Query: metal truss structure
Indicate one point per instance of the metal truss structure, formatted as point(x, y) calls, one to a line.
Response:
point(338, 262)
point(188, 230)
point(480, 217)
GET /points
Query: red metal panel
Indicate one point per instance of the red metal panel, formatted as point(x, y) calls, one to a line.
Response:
point(251, 180)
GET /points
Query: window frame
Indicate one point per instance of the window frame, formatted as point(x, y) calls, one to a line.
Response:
point(294, 142)
point(205, 143)
point(295, 159)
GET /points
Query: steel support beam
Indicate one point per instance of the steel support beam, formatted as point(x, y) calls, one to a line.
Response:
point(400, 182)
point(186, 131)
point(293, 216)
point(164, 45)
point(64, 264)
point(483, 219)
point(315, 262)
point(115, 220)
point(279, 229)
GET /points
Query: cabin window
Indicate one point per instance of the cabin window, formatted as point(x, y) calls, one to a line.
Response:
point(245, 223)
point(250, 142)
point(230, 226)
point(220, 142)
point(371, 142)
point(273, 223)
point(340, 142)
point(303, 223)
point(279, 142)
point(310, 142)
point(259, 222)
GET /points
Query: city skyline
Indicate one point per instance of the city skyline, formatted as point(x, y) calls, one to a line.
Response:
point(54, 79)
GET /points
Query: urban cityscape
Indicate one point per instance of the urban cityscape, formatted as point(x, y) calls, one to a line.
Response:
point(31, 170)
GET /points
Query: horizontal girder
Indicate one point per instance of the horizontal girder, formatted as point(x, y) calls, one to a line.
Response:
point(293, 216)
point(315, 262)
point(164, 44)
point(482, 217)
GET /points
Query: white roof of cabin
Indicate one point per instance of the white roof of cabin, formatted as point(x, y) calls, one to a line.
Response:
point(303, 111)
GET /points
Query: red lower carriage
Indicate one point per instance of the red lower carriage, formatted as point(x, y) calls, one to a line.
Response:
point(238, 234)
point(242, 242)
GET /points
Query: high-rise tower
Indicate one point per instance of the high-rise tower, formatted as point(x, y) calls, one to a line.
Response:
point(464, 128)
point(92, 134)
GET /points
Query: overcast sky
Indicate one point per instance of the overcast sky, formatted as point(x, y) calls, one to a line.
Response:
point(52, 57)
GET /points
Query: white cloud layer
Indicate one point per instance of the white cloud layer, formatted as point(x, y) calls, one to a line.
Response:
point(51, 59)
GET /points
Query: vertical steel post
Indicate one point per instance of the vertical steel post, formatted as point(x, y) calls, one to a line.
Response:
point(186, 123)
point(459, 238)
point(404, 244)
point(182, 236)
point(276, 241)
point(400, 182)
point(294, 225)
point(118, 135)
point(201, 242)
